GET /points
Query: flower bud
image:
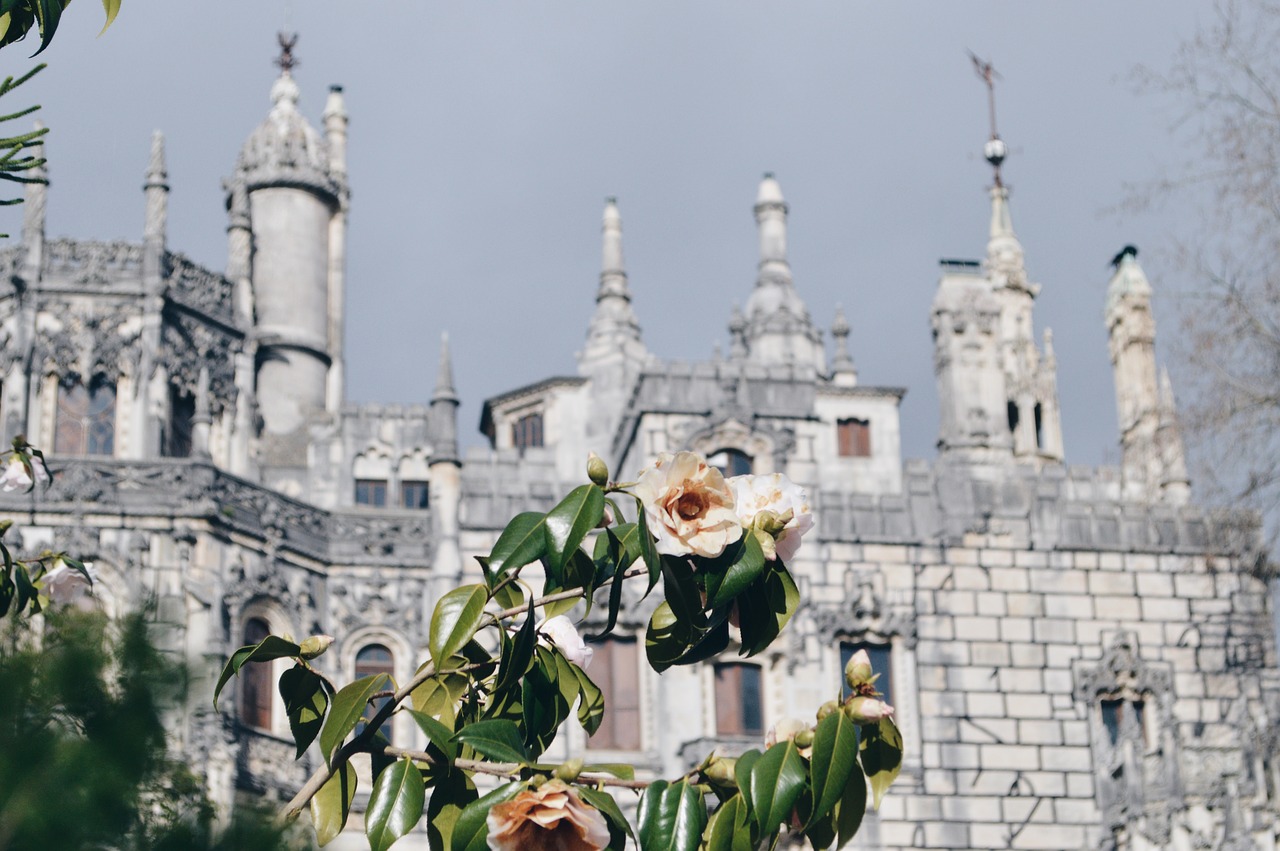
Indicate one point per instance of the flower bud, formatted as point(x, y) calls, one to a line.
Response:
point(827, 708)
point(720, 771)
point(315, 645)
point(867, 710)
point(597, 470)
point(803, 739)
point(569, 770)
point(858, 669)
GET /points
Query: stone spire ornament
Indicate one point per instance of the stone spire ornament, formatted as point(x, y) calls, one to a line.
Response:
point(843, 371)
point(444, 409)
point(613, 324)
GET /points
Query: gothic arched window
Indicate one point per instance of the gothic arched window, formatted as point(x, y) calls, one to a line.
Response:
point(255, 681)
point(730, 462)
point(373, 659)
point(86, 418)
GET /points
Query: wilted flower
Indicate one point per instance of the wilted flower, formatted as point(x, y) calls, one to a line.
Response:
point(549, 818)
point(688, 505)
point(561, 632)
point(867, 710)
point(777, 507)
point(789, 729)
point(17, 476)
point(64, 585)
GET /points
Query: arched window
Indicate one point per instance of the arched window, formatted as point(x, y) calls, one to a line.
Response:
point(375, 659)
point(730, 462)
point(86, 418)
point(739, 700)
point(255, 681)
point(615, 667)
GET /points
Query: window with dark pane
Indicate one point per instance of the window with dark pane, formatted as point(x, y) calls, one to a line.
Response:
point(86, 423)
point(371, 492)
point(739, 701)
point(854, 438)
point(177, 437)
point(880, 655)
point(526, 432)
point(255, 680)
point(615, 668)
point(414, 495)
point(375, 659)
point(730, 462)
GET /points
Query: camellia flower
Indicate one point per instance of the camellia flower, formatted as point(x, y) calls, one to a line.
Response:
point(16, 476)
point(561, 632)
point(791, 730)
point(66, 586)
point(776, 506)
point(549, 818)
point(866, 710)
point(688, 505)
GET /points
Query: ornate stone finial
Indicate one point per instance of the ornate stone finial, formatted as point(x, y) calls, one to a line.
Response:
point(843, 361)
point(157, 173)
point(286, 62)
point(737, 333)
point(995, 150)
point(444, 410)
point(445, 391)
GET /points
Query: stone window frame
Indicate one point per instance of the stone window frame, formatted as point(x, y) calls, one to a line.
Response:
point(854, 435)
point(529, 429)
point(402, 730)
point(714, 668)
point(638, 667)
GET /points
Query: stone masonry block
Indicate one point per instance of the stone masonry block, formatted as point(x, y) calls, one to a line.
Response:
point(1166, 610)
point(977, 629)
point(1040, 732)
point(1066, 758)
point(1055, 631)
point(1016, 629)
point(1017, 680)
point(972, 679)
point(1115, 584)
point(947, 834)
point(1029, 706)
point(1026, 655)
point(1009, 579)
point(971, 579)
point(991, 604)
point(1154, 585)
point(1068, 605)
point(971, 808)
point(960, 756)
point(993, 653)
point(1117, 608)
point(986, 705)
point(1194, 586)
point(1060, 582)
point(1069, 811)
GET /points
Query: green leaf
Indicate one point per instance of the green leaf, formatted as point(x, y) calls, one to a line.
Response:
point(742, 772)
point(834, 759)
point(591, 705)
point(665, 639)
point(881, 757)
point(332, 804)
point(777, 779)
point(648, 551)
point(305, 699)
point(450, 795)
point(517, 653)
point(498, 739)
point(853, 806)
point(457, 617)
point(509, 596)
point(729, 829)
point(48, 13)
point(671, 817)
point(345, 711)
point(112, 8)
point(621, 770)
point(569, 522)
point(748, 564)
point(441, 735)
point(619, 827)
point(682, 593)
point(543, 706)
point(711, 643)
point(523, 541)
point(438, 696)
point(395, 805)
point(271, 647)
point(471, 831)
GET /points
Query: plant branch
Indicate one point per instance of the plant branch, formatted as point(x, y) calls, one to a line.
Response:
point(515, 769)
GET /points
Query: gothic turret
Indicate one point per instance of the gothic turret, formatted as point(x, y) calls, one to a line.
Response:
point(1153, 461)
point(153, 410)
point(778, 330)
point(446, 472)
point(291, 184)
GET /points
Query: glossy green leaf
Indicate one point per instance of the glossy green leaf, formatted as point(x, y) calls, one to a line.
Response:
point(499, 740)
point(777, 779)
point(517, 653)
point(729, 828)
point(682, 593)
point(48, 14)
point(665, 639)
point(523, 541)
point(747, 566)
point(671, 817)
point(622, 770)
point(439, 696)
point(619, 827)
point(440, 735)
point(568, 524)
point(305, 699)
point(822, 832)
point(648, 551)
point(834, 759)
point(345, 710)
point(450, 795)
point(543, 705)
point(509, 596)
point(332, 804)
point(590, 704)
point(457, 617)
point(742, 772)
point(711, 643)
point(852, 807)
point(271, 647)
point(395, 805)
point(471, 831)
point(881, 757)
point(112, 8)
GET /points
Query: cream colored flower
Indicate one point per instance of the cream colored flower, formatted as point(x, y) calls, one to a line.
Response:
point(688, 505)
point(774, 501)
point(791, 730)
point(66, 586)
point(17, 476)
point(549, 818)
point(561, 632)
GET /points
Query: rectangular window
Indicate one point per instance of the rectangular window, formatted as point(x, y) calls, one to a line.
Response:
point(739, 701)
point(615, 668)
point(527, 431)
point(177, 437)
point(880, 664)
point(414, 494)
point(371, 492)
point(854, 438)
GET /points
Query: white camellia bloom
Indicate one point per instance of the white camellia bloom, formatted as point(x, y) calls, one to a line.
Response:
point(15, 474)
point(67, 586)
point(688, 506)
point(561, 632)
point(778, 494)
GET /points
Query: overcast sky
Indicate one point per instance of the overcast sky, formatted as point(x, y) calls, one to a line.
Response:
point(485, 136)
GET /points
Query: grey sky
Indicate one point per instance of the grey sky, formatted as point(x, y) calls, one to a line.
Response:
point(485, 136)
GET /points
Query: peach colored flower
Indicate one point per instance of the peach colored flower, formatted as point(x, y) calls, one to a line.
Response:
point(784, 498)
point(688, 505)
point(549, 818)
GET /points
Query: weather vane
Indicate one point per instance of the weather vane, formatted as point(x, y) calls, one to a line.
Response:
point(995, 150)
point(287, 61)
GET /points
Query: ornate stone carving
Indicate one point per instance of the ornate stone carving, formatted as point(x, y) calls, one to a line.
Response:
point(197, 288)
point(382, 598)
point(187, 346)
point(94, 264)
point(87, 344)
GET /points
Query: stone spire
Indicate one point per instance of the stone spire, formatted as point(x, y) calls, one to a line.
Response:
point(335, 130)
point(843, 371)
point(1175, 485)
point(156, 188)
point(779, 330)
point(444, 409)
point(614, 329)
point(33, 214)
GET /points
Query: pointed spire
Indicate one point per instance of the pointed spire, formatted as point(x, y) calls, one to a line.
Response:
point(335, 128)
point(444, 391)
point(771, 217)
point(1006, 262)
point(156, 189)
point(842, 368)
point(614, 327)
point(33, 212)
point(157, 173)
point(737, 333)
point(202, 418)
point(444, 410)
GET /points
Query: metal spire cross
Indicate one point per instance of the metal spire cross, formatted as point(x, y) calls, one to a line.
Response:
point(287, 60)
point(995, 150)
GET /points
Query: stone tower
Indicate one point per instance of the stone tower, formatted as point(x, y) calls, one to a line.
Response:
point(1153, 462)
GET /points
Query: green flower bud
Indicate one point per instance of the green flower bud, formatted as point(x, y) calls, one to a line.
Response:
point(827, 708)
point(315, 645)
point(858, 670)
point(720, 771)
point(597, 470)
point(569, 770)
point(804, 739)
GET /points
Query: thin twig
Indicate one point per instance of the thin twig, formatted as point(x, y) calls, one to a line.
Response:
point(514, 769)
